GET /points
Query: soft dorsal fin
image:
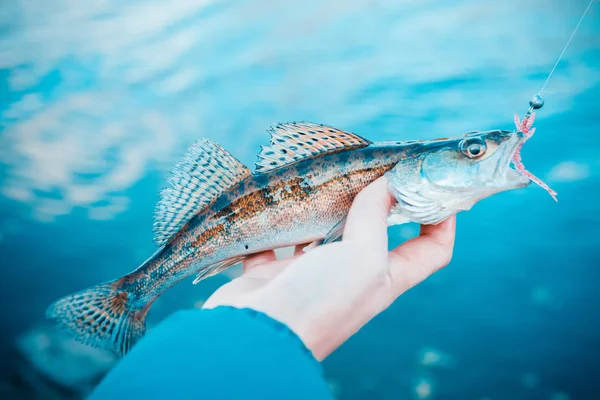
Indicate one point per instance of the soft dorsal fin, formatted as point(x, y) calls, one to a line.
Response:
point(295, 141)
point(205, 172)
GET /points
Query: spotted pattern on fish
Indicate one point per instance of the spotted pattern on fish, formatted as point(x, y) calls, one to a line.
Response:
point(289, 206)
point(306, 180)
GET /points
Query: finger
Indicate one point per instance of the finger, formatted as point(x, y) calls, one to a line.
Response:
point(367, 219)
point(442, 233)
point(269, 265)
point(269, 270)
point(413, 261)
point(299, 249)
point(258, 259)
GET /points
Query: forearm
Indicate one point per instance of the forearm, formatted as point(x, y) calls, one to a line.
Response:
point(223, 353)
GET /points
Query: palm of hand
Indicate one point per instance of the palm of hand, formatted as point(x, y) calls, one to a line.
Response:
point(258, 271)
point(328, 293)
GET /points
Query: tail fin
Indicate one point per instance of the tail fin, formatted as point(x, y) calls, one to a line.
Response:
point(101, 317)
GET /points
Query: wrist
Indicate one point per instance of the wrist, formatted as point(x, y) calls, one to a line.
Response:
point(321, 324)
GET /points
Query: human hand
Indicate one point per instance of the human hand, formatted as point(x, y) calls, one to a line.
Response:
point(330, 292)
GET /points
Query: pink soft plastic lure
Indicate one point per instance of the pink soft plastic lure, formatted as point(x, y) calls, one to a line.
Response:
point(525, 127)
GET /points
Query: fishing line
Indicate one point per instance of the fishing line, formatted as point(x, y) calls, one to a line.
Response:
point(537, 101)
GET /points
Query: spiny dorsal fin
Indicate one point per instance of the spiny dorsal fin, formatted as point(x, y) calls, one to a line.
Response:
point(205, 172)
point(295, 141)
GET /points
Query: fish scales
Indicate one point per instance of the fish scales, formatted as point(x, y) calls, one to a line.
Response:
point(288, 206)
point(216, 212)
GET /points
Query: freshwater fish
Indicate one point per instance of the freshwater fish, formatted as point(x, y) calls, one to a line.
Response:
point(216, 212)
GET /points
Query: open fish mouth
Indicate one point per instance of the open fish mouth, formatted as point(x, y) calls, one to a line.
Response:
point(508, 166)
point(525, 132)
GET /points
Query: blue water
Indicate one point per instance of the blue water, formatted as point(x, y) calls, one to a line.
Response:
point(99, 99)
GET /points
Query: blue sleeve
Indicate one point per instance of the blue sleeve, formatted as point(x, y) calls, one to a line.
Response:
point(224, 353)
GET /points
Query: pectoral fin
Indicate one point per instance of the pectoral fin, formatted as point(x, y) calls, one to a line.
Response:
point(333, 235)
point(218, 267)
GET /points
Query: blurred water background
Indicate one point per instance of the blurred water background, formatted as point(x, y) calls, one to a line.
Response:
point(99, 99)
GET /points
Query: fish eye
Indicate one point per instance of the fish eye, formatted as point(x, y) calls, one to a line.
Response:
point(473, 147)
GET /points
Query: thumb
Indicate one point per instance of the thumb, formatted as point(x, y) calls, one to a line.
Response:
point(367, 219)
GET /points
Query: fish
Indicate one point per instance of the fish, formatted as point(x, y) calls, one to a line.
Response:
point(215, 212)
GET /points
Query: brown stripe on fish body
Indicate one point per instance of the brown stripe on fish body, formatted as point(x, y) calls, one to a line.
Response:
point(290, 205)
point(240, 221)
point(264, 198)
point(344, 188)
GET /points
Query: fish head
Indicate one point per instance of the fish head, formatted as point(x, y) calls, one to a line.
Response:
point(440, 177)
